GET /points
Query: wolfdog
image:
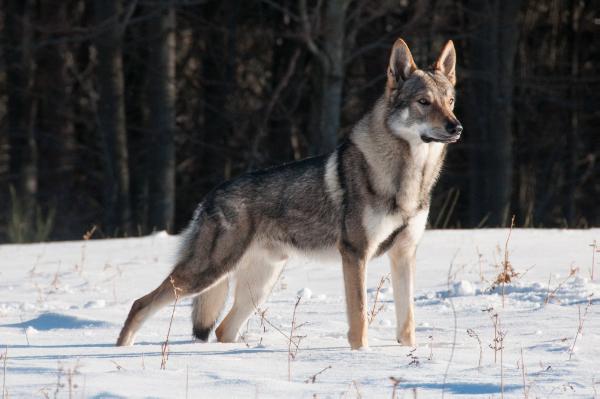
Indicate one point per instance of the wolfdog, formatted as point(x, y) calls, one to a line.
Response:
point(369, 197)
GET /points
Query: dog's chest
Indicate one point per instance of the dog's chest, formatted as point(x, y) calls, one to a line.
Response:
point(419, 176)
point(379, 226)
point(384, 229)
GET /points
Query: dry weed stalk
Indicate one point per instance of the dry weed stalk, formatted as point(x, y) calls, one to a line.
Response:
point(70, 372)
point(552, 294)
point(56, 280)
point(25, 331)
point(595, 249)
point(4, 358)
point(414, 359)
point(313, 378)
point(496, 344)
point(165, 345)
point(395, 383)
point(508, 273)
point(187, 379)
point(376, 309)
point(524, 373)
point(474, 335)
point(430, 358)
point(356, 388)
point(455, 326)
point(580, 324)
point(86, 237)
point(294, 339)
point(117, 365)
point(480, 263)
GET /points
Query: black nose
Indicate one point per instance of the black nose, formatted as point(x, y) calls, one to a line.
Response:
point(454, 128)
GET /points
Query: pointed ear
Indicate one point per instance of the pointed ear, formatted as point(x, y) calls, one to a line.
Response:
point(446, 62)
point(401, 65)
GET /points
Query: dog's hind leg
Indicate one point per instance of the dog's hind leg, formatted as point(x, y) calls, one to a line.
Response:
point(177, 283)
point(207, 307)
point(216, 250)
point(257, 274)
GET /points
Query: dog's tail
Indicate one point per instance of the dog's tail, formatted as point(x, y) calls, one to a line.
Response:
point(207, 308)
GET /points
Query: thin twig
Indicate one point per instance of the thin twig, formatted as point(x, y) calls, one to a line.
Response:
point(473, 334)
point(580, 325)
point(263, 317)
point(552, 294)
point(375, 310)
point(165, 346)
point(523, 372)
point(594, 246)
point(508, 270)
point(293, 328)
point(455, 324)
point(313, 378)
point(5, 358)
point(187, 378)
point(396, 382)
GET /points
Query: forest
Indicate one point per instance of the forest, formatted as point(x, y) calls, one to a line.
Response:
point(118, 116)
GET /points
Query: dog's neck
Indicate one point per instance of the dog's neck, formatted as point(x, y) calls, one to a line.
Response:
point(405, 168)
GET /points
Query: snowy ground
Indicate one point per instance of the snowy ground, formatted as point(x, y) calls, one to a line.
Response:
point(62, 305)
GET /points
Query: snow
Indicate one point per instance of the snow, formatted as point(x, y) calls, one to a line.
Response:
point(62, 305)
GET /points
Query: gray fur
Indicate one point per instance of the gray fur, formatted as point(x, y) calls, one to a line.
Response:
point(381, 175)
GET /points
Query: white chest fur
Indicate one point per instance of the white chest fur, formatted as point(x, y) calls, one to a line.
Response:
point(380, 225)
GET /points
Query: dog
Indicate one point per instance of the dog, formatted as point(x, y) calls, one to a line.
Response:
point(367, 198)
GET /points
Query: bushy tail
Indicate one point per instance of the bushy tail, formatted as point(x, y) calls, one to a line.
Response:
point(207, 308)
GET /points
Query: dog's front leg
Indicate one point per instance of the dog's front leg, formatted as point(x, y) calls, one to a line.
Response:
point(356, 298)
point(403, 261)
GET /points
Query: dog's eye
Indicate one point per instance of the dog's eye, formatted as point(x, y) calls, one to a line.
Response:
point(451, 101)
point(423, 101)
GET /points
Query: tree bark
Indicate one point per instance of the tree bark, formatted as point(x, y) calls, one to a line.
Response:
point(492, 54)
point(219, 82)
point(23, 172)
point(111, 117)
point(55, 129)
point(326, 109)
point(161, 118)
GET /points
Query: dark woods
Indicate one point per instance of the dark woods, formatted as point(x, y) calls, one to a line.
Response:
point(123, 114)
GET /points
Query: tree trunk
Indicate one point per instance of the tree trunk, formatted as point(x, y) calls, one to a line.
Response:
point(161, 118)
point(56, 132)
point(111, 117)
point(219, 81)
point(326, 110)
point(492, 54)
point(573, 145)
point(23, 172)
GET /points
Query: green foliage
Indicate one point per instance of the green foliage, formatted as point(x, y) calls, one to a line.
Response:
point(27, 224)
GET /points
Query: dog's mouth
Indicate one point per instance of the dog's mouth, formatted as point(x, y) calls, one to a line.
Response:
point(445, 139)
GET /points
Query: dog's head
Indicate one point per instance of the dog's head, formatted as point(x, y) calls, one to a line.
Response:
point(420, 102)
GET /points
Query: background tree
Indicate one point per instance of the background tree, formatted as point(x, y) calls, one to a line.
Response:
point(125, 114)
point(111, 116)
point(160, 97)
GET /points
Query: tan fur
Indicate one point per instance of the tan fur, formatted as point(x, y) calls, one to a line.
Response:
point(370, 196)
point(356, 303)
